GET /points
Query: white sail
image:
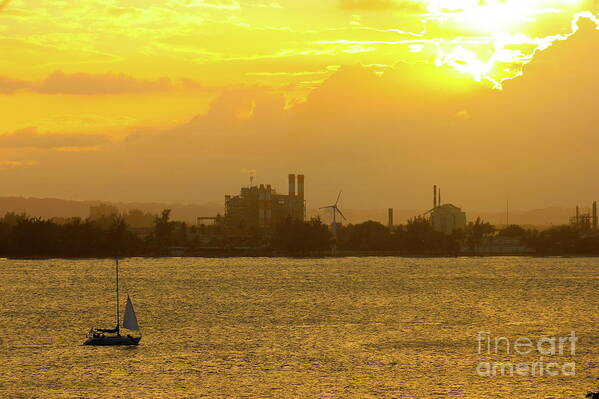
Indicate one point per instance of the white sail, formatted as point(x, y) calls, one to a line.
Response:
point(130, 320)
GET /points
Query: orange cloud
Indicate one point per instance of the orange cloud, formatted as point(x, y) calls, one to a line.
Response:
point(31, 138)
point(8, 164)
point(8, 85)
point(381, 138)
point(97, 84)
point(89, 84)
point(404, 5)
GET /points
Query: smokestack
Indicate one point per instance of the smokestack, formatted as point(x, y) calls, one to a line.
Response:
point(434, 196)
point(577, 216)
point(595, 221)
point(300, 186)
point(292, 185)
point(390, 217)
point(439, 197)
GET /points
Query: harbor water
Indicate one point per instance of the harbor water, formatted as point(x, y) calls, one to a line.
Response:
point(300, 328)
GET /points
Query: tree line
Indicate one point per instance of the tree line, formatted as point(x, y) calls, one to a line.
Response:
point(25, 236)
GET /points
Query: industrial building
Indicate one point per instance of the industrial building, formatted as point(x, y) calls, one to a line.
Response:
point(585, 221)
point(261, 207)
point(446, 218)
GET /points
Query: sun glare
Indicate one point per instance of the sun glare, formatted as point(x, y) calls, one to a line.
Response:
point(505, 34)
point(490, 16)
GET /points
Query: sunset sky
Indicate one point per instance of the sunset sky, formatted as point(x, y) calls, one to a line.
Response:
point(177, 100)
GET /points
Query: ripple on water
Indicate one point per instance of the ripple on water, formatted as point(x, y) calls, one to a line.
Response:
point(355, 327)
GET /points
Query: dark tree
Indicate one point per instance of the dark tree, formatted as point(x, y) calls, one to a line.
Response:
point(564, 240)
point(476, 232)
point(419, 237)
point(299, 238)
point(35, 237)
point(367, 236)
point(513, 231)
point(163, 229)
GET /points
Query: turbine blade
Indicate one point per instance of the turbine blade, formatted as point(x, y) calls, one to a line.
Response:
point(339, 196)
point(341, 213)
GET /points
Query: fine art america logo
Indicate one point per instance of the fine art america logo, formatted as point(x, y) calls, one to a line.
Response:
point(547, 351)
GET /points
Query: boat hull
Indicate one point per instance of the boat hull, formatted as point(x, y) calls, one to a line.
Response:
point(117, 340)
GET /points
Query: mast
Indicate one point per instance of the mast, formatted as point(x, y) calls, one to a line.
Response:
point(117, 297)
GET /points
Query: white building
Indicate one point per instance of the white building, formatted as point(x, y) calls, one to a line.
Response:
point(448, 218)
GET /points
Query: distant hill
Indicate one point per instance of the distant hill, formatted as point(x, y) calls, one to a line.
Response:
point(535, 217)
point(54, 207)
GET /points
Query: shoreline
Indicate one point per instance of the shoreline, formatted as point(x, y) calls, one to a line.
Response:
point(310, 256)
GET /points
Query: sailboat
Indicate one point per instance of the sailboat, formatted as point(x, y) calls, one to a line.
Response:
point(113, 337)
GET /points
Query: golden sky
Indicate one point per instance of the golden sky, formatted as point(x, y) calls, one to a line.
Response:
point(170, 100)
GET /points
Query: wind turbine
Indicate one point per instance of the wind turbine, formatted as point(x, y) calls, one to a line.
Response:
point(335, 209)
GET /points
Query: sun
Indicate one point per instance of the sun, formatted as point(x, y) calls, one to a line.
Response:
point(498, 36)
point(489, 16)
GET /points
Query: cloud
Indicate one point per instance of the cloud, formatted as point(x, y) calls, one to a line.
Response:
point(383, 138)
point(31, 138)
point(218, 4)
point(109, 83)
point(376, 5)
point(12, 12)
point(96, 84)
point(122, 11)
point(9, 164)
point(8, 85)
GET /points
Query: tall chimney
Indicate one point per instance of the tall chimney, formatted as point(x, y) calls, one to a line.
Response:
point(292, 185)
point(300, 186)
point(390, 217)
point(595, 221)
point(261, 207)
point(435, 196)
point(577, 215)
point(439, 199)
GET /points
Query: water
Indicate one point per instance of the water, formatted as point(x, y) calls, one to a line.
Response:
point(354, 327)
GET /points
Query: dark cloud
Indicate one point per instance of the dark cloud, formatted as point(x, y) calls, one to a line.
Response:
point(31, 138)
